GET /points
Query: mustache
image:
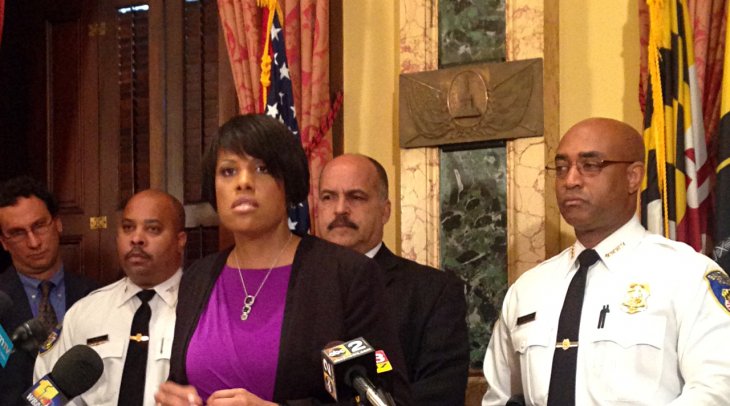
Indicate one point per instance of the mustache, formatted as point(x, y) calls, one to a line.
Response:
point(137, 251)
point(342, 221)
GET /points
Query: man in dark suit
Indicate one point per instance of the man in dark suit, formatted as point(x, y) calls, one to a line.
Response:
point(36, 281)
point(428, 305)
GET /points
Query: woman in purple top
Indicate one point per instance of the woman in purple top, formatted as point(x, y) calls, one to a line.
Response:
point(253, 319)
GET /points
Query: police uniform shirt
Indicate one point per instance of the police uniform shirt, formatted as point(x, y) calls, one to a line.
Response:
point(663, 337)
point(103, 320)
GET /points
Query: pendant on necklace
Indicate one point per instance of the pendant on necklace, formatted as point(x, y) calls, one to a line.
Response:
point(247, 305)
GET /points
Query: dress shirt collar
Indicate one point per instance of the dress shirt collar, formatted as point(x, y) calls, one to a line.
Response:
point(373, 252)
point(32, 283)
point(166, 290)
point(627, 236)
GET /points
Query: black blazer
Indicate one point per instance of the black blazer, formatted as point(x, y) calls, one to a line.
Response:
point(17, 376)
point(334, 294)
point(429, 307)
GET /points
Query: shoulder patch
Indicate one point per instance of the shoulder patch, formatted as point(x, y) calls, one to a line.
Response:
point(719, 284)
point(51, 340)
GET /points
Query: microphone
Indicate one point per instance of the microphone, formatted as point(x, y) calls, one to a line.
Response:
point(347, 366)
point(516, 400)
point(6, 344)
point(30, 335)
point(75, 372)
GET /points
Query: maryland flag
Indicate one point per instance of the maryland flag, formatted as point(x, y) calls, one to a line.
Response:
point(277, 95)
point(722, 188)
point(674, 196)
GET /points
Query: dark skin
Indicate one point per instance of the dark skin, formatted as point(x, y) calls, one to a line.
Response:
point(596, 205)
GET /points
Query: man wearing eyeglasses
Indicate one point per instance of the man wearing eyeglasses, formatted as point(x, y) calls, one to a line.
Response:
point(622, 316)
point(36, 282)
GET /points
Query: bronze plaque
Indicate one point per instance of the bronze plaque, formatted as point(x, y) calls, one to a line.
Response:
point(468, 103)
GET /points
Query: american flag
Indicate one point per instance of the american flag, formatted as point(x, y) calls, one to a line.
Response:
point(280, 105)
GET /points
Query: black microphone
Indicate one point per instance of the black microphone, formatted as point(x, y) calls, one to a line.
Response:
point(30, 335)
point(347, 366)
point(516, 400)
point(75, 372)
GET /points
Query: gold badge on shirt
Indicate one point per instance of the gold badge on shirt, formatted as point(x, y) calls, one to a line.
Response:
point(635, 299)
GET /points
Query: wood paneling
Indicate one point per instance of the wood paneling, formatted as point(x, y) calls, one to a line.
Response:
point(72, 138)
point(200, 83)
point(103, 105)
point(132, 40)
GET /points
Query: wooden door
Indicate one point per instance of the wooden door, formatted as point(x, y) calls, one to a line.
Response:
point(115, 90)
point(73, 142)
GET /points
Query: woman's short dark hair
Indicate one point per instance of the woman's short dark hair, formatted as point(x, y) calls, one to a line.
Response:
point(263, 138)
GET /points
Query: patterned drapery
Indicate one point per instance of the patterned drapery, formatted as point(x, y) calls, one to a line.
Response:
point(709, 41)
point(2, 13)
point(240, 21)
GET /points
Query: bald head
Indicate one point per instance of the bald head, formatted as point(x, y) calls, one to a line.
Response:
point(620, 138)
point(166, 200)
point(372, 168)
point(603, 166)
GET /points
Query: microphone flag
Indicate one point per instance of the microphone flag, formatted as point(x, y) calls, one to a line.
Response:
point(6, 347)
point(341, 360)
point(45, 393)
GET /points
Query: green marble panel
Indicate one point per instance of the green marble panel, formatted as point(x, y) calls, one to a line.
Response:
point(471, 31)
point(473, 202)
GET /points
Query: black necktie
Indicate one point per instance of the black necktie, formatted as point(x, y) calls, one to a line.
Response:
point(131, 392)
point(46, 314)
point(562, 378)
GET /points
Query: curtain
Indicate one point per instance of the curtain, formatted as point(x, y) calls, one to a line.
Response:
point(240, 21)
point(2, 13)
point(709, 41)
point(306, 28)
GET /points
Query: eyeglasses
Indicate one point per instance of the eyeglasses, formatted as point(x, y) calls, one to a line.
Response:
point(585, 166)
point(19, 234)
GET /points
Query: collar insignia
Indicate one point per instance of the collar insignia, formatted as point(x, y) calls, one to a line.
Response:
point(635, 299)
point(615, 250)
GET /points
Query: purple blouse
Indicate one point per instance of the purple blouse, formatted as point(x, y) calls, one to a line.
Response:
point(226, 352)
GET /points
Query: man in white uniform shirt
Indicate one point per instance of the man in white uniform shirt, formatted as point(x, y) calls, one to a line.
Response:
point(655, 318)
point(150, 244)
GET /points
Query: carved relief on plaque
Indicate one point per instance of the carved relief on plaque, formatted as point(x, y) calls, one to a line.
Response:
point(471, 103)
point(468, 97)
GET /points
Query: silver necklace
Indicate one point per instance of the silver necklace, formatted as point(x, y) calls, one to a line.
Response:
point(249, 300)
